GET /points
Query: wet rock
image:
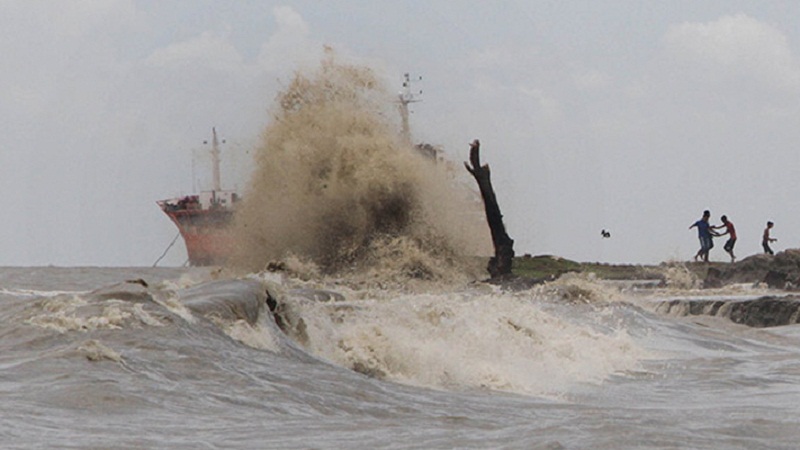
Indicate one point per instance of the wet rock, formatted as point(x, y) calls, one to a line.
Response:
point(760, 313)
point(713, 278)
point(777, 271)
point(775, 279)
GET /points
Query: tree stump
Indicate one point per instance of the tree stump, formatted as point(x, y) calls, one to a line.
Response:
point(500, 264)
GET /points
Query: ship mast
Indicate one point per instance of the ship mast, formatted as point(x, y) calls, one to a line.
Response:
point(215, 141)
point(406, 96)
point(215, 159)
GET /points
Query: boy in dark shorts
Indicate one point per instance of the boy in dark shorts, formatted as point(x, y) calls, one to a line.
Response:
point(766, 239)
point(731, 232)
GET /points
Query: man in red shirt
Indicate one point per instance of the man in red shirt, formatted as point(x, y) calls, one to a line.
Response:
point(731, 232)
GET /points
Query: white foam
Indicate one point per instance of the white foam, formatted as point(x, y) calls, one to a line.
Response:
point(97, 351)
point(502, 342)
point(171, 302)
point(580, 287)
point(37, 293)
point(69, 316)
point(76, 313)
point(257, 336)
point(145, 317)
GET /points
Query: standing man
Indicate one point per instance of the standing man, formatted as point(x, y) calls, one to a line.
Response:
point(766, 239)
point(704, 233)
point(731, 232)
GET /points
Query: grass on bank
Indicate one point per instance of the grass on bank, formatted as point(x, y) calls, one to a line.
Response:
point(550, 267)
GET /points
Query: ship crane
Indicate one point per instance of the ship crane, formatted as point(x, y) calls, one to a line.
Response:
point(406, 96)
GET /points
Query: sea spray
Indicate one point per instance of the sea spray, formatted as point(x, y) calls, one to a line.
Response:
point(334, 185)
point(678, 276)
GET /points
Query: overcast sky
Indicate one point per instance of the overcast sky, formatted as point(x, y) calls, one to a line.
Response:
point(633, 116)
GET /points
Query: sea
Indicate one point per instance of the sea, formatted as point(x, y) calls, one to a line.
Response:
point(193, 358)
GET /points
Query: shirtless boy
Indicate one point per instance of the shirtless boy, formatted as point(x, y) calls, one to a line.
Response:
point(731, 232)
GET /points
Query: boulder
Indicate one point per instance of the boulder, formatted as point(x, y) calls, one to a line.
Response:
point(775, 279)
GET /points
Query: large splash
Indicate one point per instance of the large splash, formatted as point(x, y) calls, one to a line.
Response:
point(335, 185)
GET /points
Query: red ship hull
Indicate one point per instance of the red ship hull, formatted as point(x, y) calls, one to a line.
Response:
point(206, 232)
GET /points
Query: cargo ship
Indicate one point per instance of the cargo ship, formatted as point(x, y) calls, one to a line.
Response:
point(203, 219)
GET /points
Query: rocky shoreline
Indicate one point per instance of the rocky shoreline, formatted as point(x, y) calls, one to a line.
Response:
point(781, 271)
point(763, 312)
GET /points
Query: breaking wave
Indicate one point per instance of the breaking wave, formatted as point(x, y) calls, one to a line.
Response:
point(530, 342)
point(336, 188)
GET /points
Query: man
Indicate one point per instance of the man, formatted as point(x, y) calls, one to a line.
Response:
point(766, 239)
point(705, 233)
point(731, 232)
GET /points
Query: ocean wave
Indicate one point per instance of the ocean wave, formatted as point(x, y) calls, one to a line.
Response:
point(544, 341)
point(477, 338)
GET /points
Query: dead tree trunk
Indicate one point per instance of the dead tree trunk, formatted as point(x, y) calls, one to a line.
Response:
point(500, 264)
